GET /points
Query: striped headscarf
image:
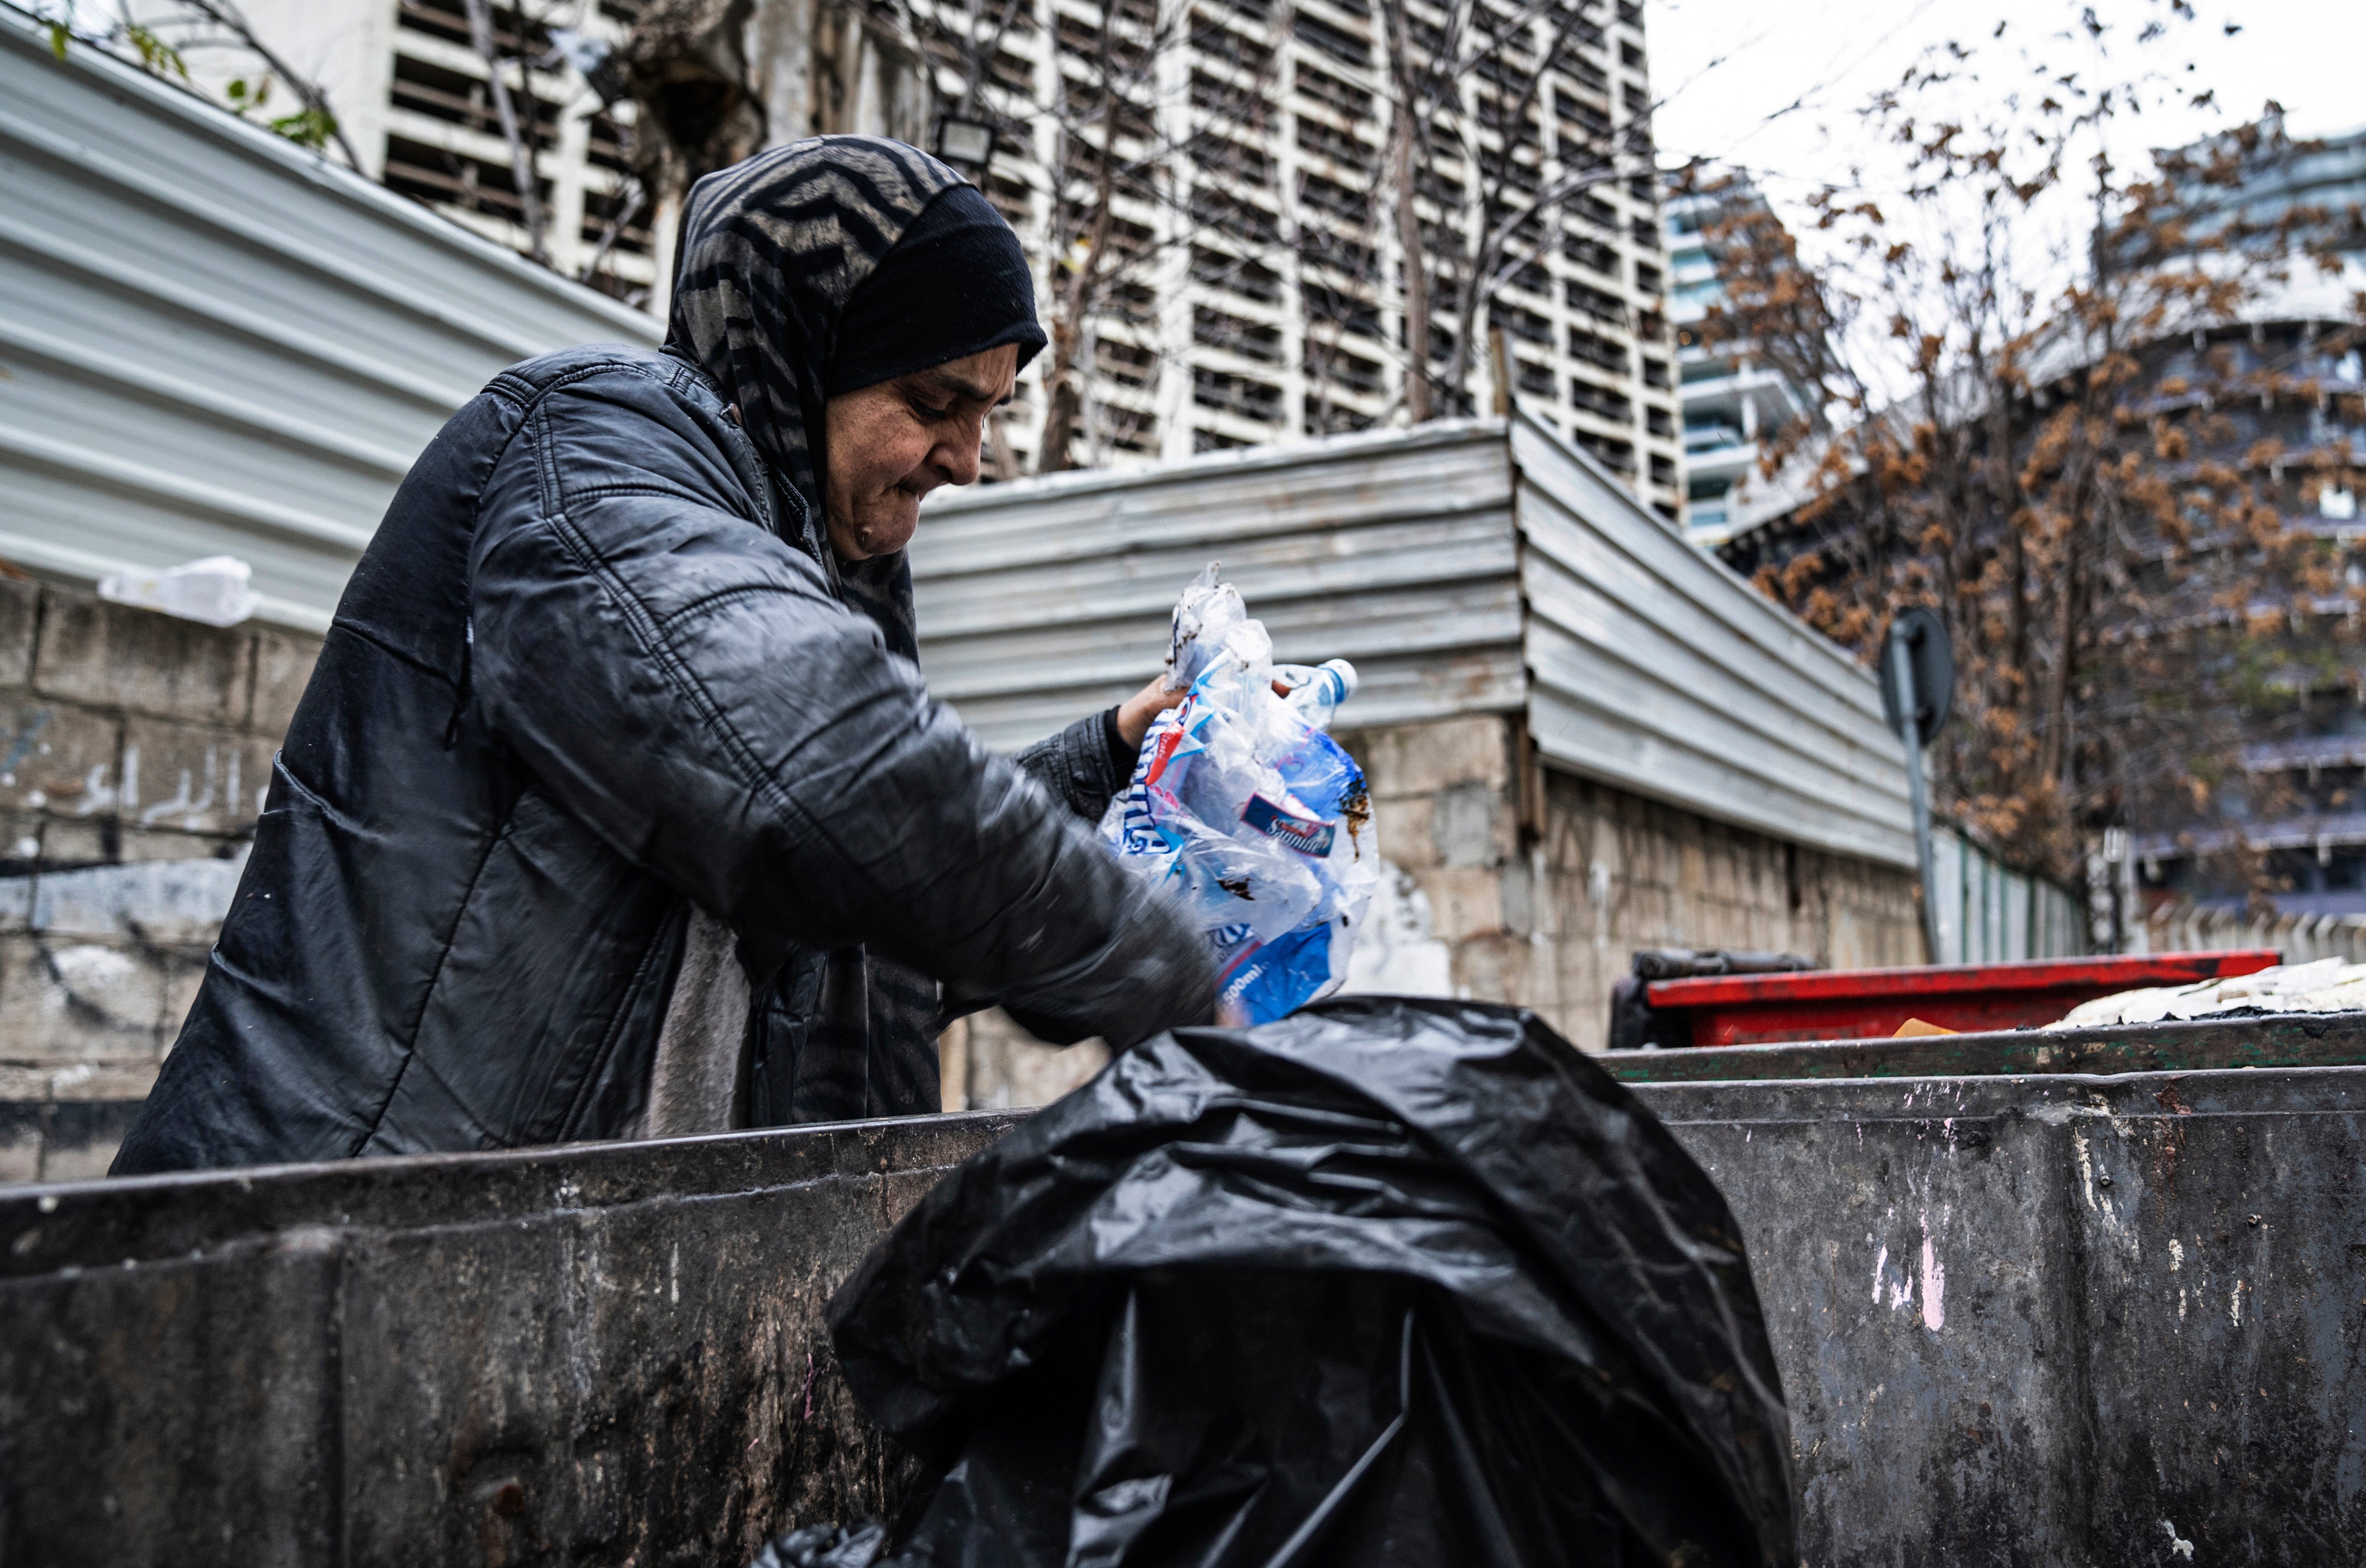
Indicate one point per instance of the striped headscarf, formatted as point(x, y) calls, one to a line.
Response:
point(772, 250)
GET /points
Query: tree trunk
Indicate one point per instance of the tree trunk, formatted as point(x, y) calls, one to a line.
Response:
point(1415, 276)
point(522, 176)
point(1063, 386)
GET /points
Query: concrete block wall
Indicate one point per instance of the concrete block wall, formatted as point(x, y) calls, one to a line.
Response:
point(1553, 922)
point(135, 748)
point(1472, 907)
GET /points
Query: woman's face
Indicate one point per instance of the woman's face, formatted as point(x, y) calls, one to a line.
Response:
point(892, 443)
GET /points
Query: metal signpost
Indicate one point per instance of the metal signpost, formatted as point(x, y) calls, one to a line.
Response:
point(1918, 684)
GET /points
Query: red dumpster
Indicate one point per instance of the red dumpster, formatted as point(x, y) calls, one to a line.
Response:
point(1856, 1004)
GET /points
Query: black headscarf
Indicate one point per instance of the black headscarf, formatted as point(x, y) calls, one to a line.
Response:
point(770, 296)
point(955, 284)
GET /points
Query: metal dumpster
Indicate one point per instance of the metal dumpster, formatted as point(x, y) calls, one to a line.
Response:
point(2048, 1317)
point(2081, 1310)
point(602, 1354)
point(1843, 1005)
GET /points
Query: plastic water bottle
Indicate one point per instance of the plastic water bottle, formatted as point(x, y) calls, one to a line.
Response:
point(213, 590)
point(1319, 692)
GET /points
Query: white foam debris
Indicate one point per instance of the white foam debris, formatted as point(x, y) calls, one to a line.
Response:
point(2325, 985)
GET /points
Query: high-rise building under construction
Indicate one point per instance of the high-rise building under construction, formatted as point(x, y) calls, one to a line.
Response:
point(1237, 162)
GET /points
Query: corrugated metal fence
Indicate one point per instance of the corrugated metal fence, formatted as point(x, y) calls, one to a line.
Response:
point(213, 342)
point(1046, 599)
point(1657, 669)
point(1478, 566)
point(1992, 913)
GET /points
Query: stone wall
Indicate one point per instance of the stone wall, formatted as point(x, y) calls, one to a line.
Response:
point(134, 750)
point(1549, 918)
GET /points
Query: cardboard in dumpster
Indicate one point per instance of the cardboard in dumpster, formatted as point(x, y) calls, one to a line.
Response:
point(1389, 1281)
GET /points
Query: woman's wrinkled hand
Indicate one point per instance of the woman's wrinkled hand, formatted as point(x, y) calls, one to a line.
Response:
point(1135, 713)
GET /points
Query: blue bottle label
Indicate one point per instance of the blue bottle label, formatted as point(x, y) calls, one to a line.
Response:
point(1302, 834)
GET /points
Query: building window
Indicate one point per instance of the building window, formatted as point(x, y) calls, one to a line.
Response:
point(1236, 394)
point(1213, 269)
point(1215, 330)
point(1592, 254)
point(1600, 303)
point(1126, 362)
point(1618, 456)
point(1350, 372)
point(1212, 39)
point(1595, 349)
point(1353, 102)
point(1333, 199)
point(1337, 42)
point(1603, 401)
point(1328, 307)
point(1525, 325)
point(1138, 435)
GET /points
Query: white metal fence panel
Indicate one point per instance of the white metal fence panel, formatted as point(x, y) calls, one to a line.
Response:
point(1991, 914)
point(1658, 669)
point(1043, 600)
point(1466, 567)
point(213, 342)
point(2301, 938)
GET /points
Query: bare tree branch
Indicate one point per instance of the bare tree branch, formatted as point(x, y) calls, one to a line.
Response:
point(226, 15)
point(522, 173)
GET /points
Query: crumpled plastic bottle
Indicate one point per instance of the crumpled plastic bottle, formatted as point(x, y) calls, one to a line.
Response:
point(1247, 811)
point(214, 590)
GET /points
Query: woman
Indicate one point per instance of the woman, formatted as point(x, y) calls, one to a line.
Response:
point(616, 804)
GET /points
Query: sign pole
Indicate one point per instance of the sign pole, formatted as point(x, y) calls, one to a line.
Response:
point(1902, 679)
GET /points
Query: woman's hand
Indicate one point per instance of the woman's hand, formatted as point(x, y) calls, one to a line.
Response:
point(1134, 714)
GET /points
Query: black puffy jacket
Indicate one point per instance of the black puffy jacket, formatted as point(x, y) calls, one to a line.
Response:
point(594, 671)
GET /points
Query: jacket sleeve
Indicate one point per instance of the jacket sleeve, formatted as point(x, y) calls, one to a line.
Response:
point(682, 680)
point(1085, 764)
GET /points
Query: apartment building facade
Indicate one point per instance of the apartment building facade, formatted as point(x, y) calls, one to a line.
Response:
point(412, 96)
point(1264, 300)
point(1731, 402)
point(1272, 307)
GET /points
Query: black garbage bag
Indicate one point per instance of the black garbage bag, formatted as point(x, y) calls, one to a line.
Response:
point(1386, 1281)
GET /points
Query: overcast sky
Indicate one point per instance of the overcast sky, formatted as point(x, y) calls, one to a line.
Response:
point(1724, 66)
point(1773, 86)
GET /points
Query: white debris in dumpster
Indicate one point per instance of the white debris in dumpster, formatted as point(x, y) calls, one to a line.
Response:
point(2327, 985)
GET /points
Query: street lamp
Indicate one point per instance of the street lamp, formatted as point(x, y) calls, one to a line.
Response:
point(965, 143)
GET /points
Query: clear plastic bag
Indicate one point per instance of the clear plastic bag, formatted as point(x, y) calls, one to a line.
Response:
point(1254, 818)
point(214, 590)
